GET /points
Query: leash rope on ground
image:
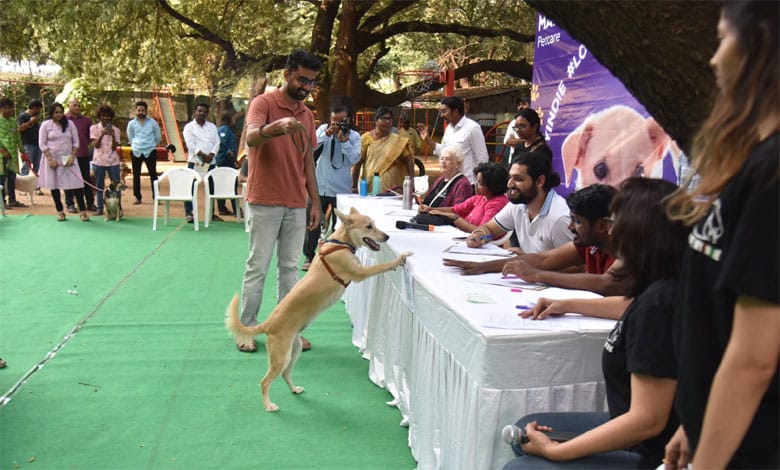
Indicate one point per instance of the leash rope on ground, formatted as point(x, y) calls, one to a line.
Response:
point(74, 167)
point(6, 397)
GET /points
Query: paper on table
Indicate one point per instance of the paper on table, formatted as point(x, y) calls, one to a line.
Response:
point(402, 213)
point(488, 249)
point(498, 280)
point(569, 322)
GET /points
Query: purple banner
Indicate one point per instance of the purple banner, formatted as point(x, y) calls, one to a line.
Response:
point(598, 132)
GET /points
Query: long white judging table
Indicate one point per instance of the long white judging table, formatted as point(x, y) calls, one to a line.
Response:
point(460, 370)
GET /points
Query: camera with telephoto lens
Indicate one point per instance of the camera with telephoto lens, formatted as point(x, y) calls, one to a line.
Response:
point(344, 126)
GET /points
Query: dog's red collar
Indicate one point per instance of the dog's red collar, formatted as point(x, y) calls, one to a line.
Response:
point(326, 252)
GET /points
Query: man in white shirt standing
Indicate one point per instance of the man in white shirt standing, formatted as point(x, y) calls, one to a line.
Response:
point(202, 141)
point(461, 132)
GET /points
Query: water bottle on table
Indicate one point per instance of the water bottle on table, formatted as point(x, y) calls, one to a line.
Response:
point(375, 184)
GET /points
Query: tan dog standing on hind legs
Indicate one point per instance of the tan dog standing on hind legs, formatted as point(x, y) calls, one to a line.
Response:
point(334, 267)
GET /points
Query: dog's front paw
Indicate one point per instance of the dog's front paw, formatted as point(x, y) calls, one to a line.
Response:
point(297, 390)
point(271, 407)
point(402, 257)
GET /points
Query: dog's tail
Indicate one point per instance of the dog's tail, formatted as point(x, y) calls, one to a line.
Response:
point(242, 333)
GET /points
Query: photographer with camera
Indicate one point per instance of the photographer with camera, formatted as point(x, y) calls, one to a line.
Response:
point(338, 148)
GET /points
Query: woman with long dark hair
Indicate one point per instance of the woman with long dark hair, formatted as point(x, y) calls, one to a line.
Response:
point(638, 360)
point(59, 143)
point(727, 333)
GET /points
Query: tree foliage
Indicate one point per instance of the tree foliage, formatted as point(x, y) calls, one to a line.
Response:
point(214, 44)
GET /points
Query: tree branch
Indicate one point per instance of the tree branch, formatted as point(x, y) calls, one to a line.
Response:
point(372, 64)
point(366, 40)
point(521, 69)
point(383, 16)
point(232, 59)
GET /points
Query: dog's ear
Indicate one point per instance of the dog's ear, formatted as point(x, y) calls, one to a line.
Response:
point(574, 148)
point(342, 217)
point(660, 140)
point(353, 211)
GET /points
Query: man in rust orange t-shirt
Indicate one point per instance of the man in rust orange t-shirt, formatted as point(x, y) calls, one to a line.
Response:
point(281, 137)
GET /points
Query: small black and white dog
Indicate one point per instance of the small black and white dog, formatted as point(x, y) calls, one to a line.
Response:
point(112, 200)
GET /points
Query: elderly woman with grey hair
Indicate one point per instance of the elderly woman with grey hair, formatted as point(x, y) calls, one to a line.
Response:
point(451, 187)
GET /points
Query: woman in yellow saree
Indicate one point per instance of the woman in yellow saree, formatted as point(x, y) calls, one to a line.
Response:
point(384, 152)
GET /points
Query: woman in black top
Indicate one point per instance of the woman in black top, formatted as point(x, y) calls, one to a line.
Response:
point(727, 331)
point(638, 361)
point(526, 124)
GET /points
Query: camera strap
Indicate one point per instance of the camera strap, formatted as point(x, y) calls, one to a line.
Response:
point(332, 151)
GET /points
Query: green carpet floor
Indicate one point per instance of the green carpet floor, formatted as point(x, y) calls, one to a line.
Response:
point(136, 371)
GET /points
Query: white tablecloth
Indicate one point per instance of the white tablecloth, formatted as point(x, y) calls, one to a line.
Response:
point(459, 371)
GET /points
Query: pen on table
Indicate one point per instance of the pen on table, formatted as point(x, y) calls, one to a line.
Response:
point(525, 306)
point(509, 276)
point(515, 289)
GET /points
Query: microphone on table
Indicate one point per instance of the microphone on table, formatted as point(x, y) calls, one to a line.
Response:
point(404, 225)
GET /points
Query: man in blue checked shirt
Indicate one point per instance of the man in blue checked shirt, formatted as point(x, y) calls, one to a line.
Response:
point(144, 135)
point(339, 149)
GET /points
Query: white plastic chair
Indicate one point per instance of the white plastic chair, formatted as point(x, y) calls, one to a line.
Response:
point(183, 186)
point(224, 188)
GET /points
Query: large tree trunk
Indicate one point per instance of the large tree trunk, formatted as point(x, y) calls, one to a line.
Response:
point(321, 37)
point(659, 50)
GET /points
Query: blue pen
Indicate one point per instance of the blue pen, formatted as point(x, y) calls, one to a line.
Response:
point(525, 307)
point(486, 237)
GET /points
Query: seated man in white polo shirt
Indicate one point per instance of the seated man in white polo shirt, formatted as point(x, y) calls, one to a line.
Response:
point(537, 214)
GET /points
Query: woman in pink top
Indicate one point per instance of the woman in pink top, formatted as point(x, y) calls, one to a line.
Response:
point(490, 198)
point(104, 137)
point(59, 142)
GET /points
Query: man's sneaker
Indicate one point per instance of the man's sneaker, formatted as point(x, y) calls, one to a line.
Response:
point(306, 265)
point(16, 204)
point(72, 209)
point(136, 202)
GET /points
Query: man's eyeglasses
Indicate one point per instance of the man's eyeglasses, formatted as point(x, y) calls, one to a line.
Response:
point(304, 81)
